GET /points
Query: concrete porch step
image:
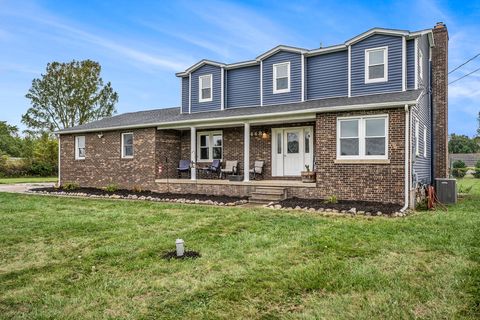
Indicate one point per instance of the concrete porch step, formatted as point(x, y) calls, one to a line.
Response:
point(267, 194)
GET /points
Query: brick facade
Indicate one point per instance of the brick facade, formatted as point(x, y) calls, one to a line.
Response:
point(374, 182)
point(440, 101)
point(103, 164)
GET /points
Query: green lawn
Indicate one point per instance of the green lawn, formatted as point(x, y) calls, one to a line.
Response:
point(27, 180)
point(71, 258)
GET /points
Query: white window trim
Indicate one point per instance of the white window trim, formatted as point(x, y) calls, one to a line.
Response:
point(200, 92)
point(417, 138)
point(361, 138)
point(77, 154)
point(123, 149)
point(210, 135)
point(424, 141)
point(385, 63)
point(275, 90)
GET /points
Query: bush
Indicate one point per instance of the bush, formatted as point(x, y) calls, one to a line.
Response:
point(111, 188)
point(459, 172)
point(70, 186)
point(477, 165)
point(331, 199)
point(459, 164)
point(476, 174)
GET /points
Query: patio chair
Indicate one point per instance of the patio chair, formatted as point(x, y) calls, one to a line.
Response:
point(212, 169)
point(230, 168)
point(183, 166)
point(257, 169)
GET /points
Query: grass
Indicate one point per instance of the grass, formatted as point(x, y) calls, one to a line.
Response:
point(91, 259)
point(27, 180)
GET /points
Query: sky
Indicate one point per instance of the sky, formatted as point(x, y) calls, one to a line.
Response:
point(142, 44)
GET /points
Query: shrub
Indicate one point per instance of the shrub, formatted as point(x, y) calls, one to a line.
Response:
point(459, 164)
point(477, 165)
point(476, 174)
point(70, 186)
point(459, 172)
point(331, 199)
point(111, 187)
point(137, 189)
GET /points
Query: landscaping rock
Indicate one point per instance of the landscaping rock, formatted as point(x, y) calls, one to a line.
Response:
point(277, 206)
point(353, 211)
point(298, 208)
point(379, 213)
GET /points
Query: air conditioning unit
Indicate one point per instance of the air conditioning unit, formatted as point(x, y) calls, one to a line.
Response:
point(446, 190)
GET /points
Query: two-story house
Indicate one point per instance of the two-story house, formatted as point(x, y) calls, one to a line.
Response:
point(369, 116)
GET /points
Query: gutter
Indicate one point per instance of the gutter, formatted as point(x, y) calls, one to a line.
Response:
point(407, 156)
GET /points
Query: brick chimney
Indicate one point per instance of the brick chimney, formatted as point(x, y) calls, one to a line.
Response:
point(440, 100)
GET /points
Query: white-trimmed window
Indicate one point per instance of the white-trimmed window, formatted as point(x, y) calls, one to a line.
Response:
point(362, 137)
point(420, 64)
point(376, 65)
point(424, 141)
point(209, 145)
point(417, 138)
point(281, 77)
point(205, 88)
point(127, 145)
point(80, 147)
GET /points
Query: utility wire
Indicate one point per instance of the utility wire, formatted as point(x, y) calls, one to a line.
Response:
point(478, 54)
point(464, 76)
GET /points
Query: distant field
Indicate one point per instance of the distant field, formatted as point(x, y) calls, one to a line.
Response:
point(27, 180)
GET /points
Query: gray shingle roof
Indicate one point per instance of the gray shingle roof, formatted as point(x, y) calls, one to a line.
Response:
point(152, 118)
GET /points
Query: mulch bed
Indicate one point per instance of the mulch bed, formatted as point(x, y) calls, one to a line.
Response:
point(365, 206)
point(186, 255)
point(128, 194)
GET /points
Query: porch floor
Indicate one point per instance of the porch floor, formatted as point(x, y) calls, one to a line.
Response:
point(269, 183)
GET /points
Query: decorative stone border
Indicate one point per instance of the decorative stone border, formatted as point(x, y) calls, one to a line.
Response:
point(351, 212)
point(143, 198)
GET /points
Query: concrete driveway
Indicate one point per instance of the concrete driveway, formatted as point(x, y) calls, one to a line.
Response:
point(23, 187)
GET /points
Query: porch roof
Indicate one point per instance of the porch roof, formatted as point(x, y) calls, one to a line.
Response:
point(171, 117)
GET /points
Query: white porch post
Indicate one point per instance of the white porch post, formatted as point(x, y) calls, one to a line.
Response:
point(193, 152)
point(246, 153)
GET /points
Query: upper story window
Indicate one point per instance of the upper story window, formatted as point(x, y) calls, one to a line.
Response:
point(417, 138)
point(205, 88)
point(362, 137)
point(376, 65)
point(127, 145)
point(210, 145)
point(281, 77)
point(80, 147)
point(420, 64)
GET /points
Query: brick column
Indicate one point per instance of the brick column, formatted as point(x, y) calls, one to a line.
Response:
point(440, 101)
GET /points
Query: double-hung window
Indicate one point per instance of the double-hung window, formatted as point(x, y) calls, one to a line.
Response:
point(209, 145)
point(281, 77)
point(417, 138)
point(424, 141)
point(127, 145)
point(205, 88)
point(362, 137)
point(376, 65)
point(80, 147)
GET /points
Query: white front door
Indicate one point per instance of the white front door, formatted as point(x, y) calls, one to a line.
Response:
point(292, 150)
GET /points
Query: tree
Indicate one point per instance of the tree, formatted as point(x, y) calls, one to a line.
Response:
point(69, 94)
point(10, 142)
point(462, 144)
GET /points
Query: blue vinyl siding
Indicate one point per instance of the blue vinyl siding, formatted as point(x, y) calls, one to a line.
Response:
point(295, 94)
point(411, 64)
point(422, 165)
point(243, 87)
point(215, 104)
point(394, 83)
point(327, 75)
point(185, 97)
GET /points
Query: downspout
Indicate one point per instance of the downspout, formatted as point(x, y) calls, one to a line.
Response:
point(58, 166)
point(407, 156)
